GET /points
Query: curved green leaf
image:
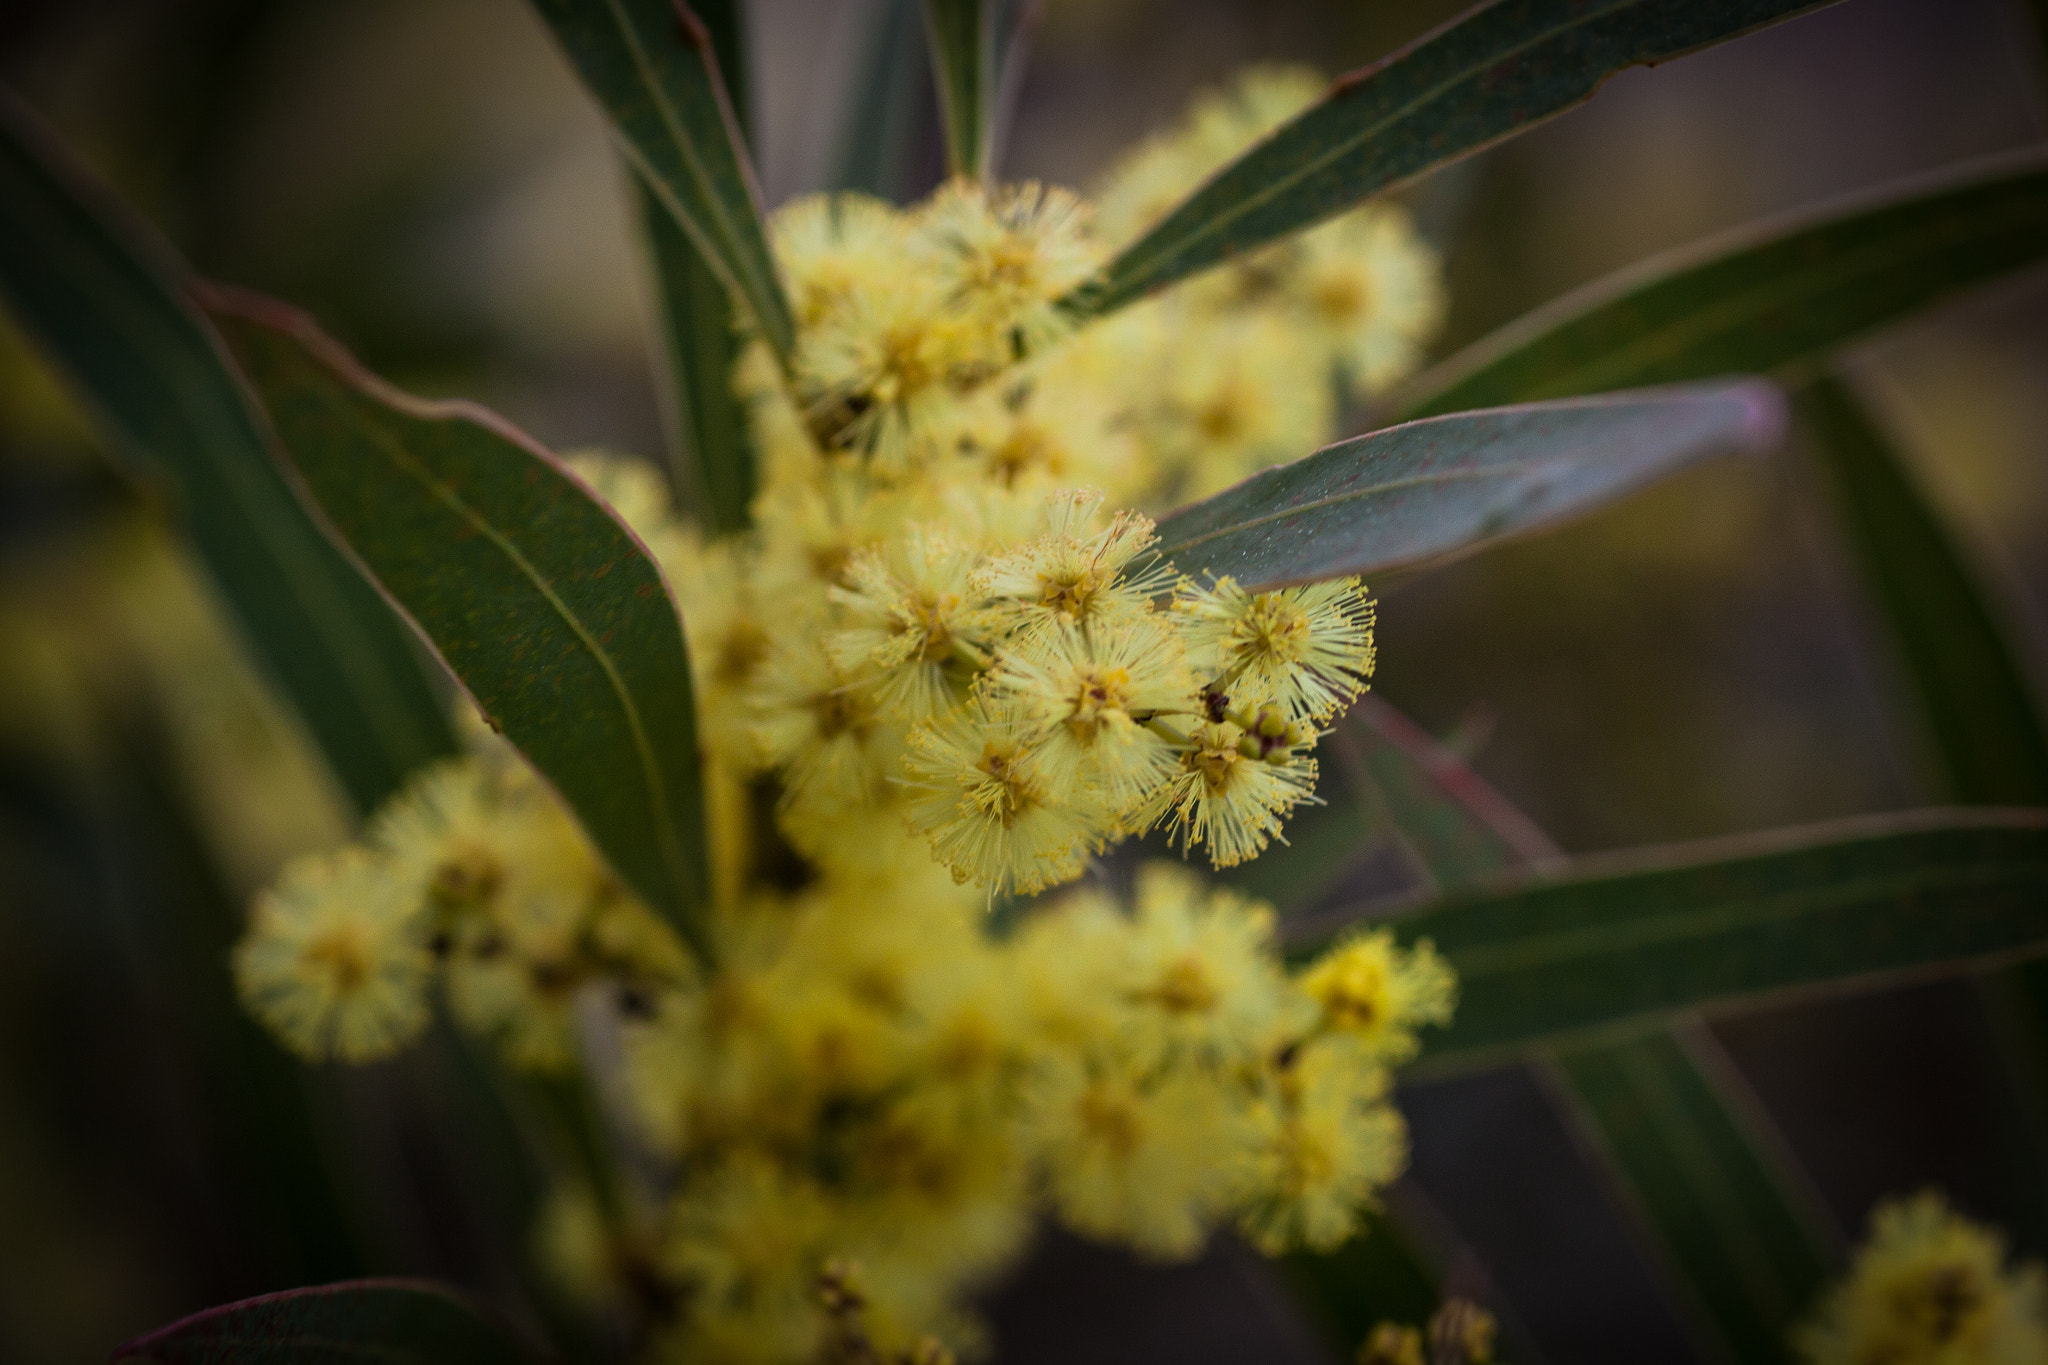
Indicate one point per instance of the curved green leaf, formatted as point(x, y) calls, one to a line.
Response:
point(105, 302)
point(1497, 70)
point(1704, 1183)
point(362, 1322)
point(1731, 1219)
point(538, 598)
point(1763, 297)
point(652, 65)
point(1973, 698)
point(879, 129)
point(963, 47)
point(1424, 490)
point(1976, 699)
point(1634, 938)
point(1459, 828)
point(710, 452)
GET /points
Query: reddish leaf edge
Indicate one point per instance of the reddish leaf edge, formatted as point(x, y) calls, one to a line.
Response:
point(141, 1348)
point(227, 300)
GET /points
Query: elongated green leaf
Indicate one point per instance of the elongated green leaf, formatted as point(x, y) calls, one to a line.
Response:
point(963, 46)
point(1458, 826)
point(1727, 1213)
point(1973, 698)
point(710, 453)
point(105, 302)
point(1424, 490)
point(1778, 294)
point(652, 65)
point(1973, 694)
point(877, 134)
point(537, 597)
point(361, 1322)
point(1705, 1187)
point(1632, 939)
point(1498, 70)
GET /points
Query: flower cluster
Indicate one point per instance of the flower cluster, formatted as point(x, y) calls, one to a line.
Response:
point(947, 666)
point(1930, 1288)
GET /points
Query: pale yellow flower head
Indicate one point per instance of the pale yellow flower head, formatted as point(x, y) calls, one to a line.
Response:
point(336, 959)
point(1930, 1288)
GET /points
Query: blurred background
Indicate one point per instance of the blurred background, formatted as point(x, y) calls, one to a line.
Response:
point(427, 177)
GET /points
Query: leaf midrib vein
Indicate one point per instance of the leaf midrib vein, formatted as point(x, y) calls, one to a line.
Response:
point(1566, 945)
point(657, 788)
point(1124, 274)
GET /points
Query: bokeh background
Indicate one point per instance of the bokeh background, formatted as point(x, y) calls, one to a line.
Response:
point(427, 177)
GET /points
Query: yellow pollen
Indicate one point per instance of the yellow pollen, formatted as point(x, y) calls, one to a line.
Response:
point(1274, 627)
point(1112, 1122)
point(1011, 797)
point(931, 616)
point(1214, 764)
point(743, 647)
point(1186, 987)
point(1341, 298)
point(343, 955)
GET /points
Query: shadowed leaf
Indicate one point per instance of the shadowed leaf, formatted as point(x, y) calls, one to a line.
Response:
point(653, 66)
point(711, 456)
point(1729, 1215)
point(880, 129)
point(106, 303)
point(363, 1322)
point(1969, 692)
point(1496, 71)
point(1635, 938)
point(1424, 490)
point(543, 604)
point(1973, 694)
point(963, 47)
point(1706, 1182)
point(1764, 297)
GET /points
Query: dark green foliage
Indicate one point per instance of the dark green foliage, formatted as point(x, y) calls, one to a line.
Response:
point(1499, 70)
point(108, 305)
point(1636, 938)
point(1418, 492)
point(531, 590)
point(653, 66)
point(1780, 294)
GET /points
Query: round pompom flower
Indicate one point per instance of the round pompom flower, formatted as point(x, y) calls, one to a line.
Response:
point(336, 961)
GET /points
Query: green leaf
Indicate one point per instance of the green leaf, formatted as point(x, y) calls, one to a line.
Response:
point(1424, 490)
point(652, 65)
point(362, 1322)
point(1695, 1160)
point(1712, 1189)
point(1975, 698)
point(538, 598)
point(878, 133)
point(1500, 69)
point(1628, 940)
point(711, 452)
point(105, 301)
point(1782, 293)
point(1458, 827)
point(1972, 696)
point(963, 47)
